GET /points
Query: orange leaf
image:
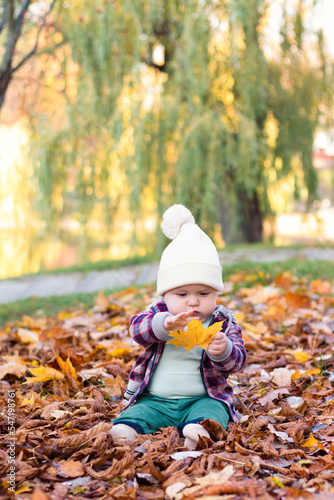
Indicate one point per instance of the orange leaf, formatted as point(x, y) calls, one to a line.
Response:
point(298, 374)
point(67, 468)
point(276, 312)
point(283, 280)
point(39, 494)
point(321, 286)
point(195, 335)
point(313, 443)
point(67, 367)
point(298, 300)
point(102, 302)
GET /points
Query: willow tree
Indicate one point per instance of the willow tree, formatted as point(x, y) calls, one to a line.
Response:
point(190, 126)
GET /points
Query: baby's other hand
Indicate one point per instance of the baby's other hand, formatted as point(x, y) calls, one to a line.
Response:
point(218, 344)
point(178, 321)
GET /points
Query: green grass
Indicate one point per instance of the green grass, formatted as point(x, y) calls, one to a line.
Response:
point(46, 306)
point(254, 273)
point(265, 272)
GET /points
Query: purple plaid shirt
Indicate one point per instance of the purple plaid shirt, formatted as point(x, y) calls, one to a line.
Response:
point(147, 329)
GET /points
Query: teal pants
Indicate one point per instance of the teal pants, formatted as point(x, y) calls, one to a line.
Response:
point(149, 413)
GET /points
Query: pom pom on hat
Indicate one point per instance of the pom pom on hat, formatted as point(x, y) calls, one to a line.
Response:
point(173, 220)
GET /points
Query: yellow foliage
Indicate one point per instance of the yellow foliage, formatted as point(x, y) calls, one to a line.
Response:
point(67, 367)
point(196, 335)
point(299, 374)
point(301, 356)
point(43, 374)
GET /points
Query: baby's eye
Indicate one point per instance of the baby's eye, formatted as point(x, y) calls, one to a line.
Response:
point(204, 294)
point(182, 294)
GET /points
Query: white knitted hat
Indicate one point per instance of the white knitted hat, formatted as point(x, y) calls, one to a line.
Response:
point(191, 258)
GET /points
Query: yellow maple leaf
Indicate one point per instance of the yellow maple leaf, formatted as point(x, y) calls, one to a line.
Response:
point(195, 335)
point(240, 316)
point(43, 374)
point(301, 356)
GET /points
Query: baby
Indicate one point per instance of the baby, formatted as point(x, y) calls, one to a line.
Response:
point(168, 386)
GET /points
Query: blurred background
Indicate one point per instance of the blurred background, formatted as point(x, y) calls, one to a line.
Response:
point(111, 111)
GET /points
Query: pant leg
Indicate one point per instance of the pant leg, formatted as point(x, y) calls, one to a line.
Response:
point(203, 408)
point(149, 413)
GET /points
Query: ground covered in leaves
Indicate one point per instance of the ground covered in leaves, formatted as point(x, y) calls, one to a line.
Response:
point(61, 381)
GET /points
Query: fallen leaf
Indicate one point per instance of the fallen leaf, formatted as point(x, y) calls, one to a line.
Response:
point(67, 468)
point(102, 302)
point(196, 335)
point(39, 494)
point(281, 376)
point(216, 477)
point(43, 374)
point(12, 368)
point(300, 356)
point(173, 490)
point(277, 481)
point(281, 435)
point(312, 443)
point(181, 455)
point(271, 396)
point(298, 300)
point(300, 373)
point(28, 336)
point(67, 367)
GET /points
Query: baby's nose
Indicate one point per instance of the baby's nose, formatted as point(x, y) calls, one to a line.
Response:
point(192, 300)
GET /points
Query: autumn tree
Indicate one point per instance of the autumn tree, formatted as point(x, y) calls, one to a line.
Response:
point(21, 25)
point(173, 103)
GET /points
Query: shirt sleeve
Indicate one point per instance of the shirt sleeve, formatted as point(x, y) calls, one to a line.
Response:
point(234, 357)
point(147, 327)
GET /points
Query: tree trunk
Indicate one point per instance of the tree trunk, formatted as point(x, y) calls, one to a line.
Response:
point(5, 78)
point(250, 217)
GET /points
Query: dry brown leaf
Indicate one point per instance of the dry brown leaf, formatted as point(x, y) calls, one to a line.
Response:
point(12, 368)
point(27, 336)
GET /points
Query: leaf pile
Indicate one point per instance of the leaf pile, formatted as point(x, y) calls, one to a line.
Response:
point(69, 374)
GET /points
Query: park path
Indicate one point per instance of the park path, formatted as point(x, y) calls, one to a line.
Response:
point(47, 285)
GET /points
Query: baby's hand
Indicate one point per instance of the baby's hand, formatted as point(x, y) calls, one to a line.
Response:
point(218, 344)
point(178, 321)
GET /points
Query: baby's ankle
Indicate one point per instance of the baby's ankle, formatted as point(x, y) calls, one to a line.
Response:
point(192, 433)
point(121, 433)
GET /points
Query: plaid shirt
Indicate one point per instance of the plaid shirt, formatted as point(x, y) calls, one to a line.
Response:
point(214, 374)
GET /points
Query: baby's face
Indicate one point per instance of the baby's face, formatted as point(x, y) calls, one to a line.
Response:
point(201, 299)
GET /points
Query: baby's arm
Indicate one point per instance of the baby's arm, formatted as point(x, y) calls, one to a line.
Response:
point(178, 321)
point(147, 327)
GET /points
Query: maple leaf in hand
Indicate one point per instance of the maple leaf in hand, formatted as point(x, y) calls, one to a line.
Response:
point(195, 335)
